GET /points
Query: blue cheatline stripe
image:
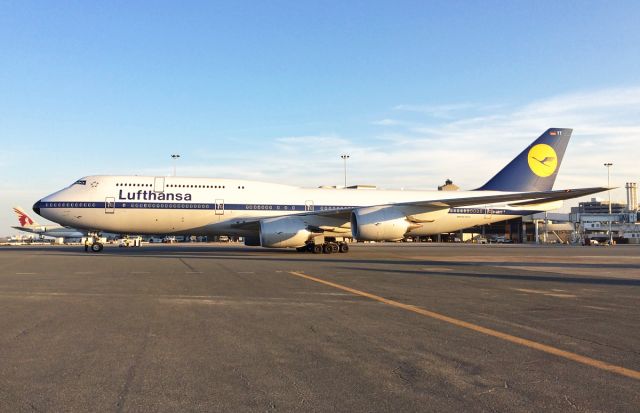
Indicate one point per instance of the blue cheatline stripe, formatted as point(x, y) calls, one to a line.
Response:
point(252, 207)
point(190, 205)
point(491, 211)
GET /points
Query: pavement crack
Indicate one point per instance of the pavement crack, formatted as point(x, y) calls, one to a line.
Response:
point(28, 330)
point(597, 343)
point(244, 379)
point(570, 402)
point(131, 373)
point(187, 265)
point(406, 372)
point(557, 334)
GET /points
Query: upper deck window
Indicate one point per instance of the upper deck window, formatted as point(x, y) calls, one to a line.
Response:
point(80, 182)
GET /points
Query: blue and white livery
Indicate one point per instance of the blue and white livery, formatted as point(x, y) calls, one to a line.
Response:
point(315, 219)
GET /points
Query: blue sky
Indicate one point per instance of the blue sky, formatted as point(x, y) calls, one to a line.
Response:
point(416, 92)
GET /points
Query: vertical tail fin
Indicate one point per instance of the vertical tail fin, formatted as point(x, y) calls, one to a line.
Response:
point(24, 219)
point(536, 168)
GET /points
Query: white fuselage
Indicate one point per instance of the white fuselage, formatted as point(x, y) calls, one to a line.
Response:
point(207, 206)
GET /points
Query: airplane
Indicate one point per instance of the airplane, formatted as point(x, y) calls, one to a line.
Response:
point(28, 224)
point(309, 219)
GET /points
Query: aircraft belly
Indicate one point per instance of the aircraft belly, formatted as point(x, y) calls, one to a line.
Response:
point(160, 221)
point(456, 222)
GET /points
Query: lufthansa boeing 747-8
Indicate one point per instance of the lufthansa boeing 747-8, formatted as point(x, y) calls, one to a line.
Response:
point(313, 219)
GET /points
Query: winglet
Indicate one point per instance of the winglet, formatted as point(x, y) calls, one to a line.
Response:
point(536, 168)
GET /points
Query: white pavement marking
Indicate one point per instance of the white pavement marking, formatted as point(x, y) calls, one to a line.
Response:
point(543, 292)
point(26, 273)
point(593, 307)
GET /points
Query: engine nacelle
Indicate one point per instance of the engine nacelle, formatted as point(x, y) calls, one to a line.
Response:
point(283, 232)
point(379, 223)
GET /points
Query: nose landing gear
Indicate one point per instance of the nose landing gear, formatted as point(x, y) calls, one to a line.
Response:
point(97, 247)
point(92, 242)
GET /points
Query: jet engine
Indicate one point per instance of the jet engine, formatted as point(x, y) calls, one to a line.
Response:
point(283, 232)
point(379, 223)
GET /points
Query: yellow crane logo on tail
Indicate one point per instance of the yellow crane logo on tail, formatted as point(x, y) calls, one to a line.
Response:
point(543, 160)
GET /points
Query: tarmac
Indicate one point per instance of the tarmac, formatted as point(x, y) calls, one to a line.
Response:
point(384, 328)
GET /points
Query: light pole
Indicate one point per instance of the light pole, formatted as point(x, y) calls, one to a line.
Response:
point(175, 158)
point(609, 165)
point(344, 158)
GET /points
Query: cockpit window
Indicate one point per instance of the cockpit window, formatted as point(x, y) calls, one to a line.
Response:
point(80, 182)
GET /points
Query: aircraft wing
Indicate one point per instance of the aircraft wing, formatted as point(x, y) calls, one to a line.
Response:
point(25, 229)
point(525, 198)
point(518, 199)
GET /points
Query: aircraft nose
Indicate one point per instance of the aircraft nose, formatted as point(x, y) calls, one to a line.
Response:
point(36, 207)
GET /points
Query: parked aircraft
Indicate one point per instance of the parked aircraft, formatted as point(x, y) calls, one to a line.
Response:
point(309, 219)
point(28, 224)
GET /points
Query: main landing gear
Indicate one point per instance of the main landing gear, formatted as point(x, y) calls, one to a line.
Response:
point(325, 248)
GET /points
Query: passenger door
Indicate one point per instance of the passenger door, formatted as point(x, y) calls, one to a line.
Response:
point(219, 206)
point(109, 205)
point(158, 184)
point(488, 212)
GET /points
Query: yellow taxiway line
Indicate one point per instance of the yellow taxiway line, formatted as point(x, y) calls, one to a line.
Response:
point(488, 331)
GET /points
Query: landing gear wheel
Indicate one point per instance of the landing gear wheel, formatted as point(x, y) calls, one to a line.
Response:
point(344, 248)
point(316, 249)
point(302, 249)
point(97, 247)
point(334, 248)
point(327, 249)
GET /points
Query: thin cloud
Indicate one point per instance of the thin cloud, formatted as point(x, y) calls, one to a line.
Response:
point(312, 139)
point(469, 145)
point(387, 122)
point(438, 111)
point(468, 150)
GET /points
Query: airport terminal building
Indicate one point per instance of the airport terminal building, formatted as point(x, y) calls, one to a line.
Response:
point(589, 221)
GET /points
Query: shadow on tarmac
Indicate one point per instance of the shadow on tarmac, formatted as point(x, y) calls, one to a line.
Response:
point(545, 278)
point(280, 255)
